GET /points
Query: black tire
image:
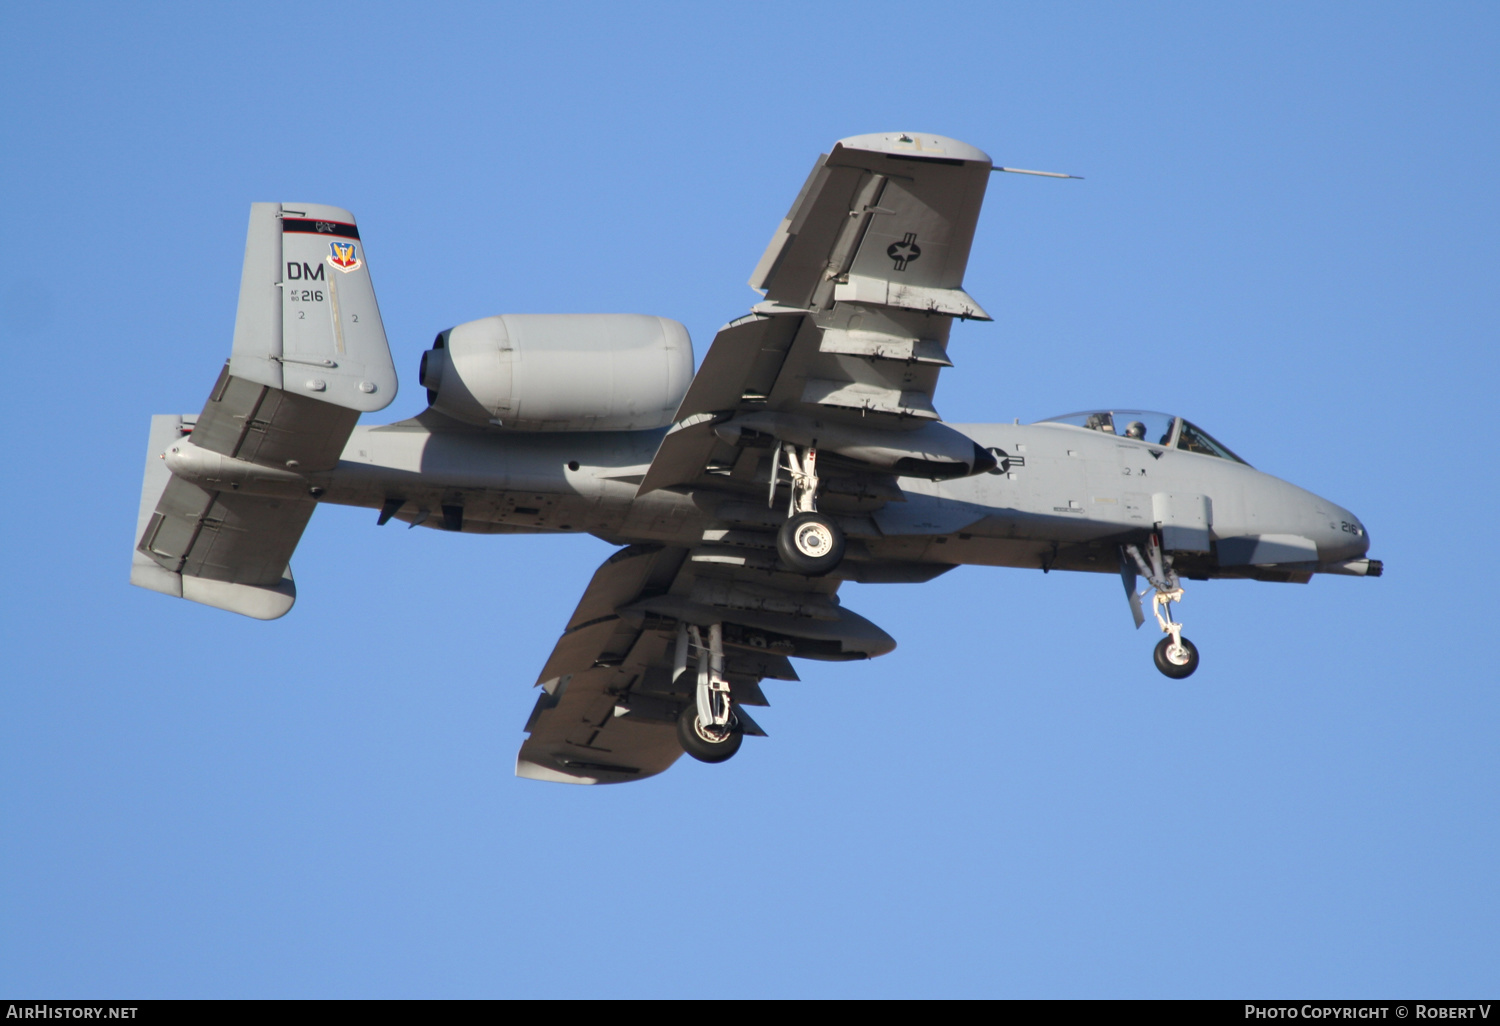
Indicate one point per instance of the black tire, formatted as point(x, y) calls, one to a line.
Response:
point(810, 543)
point(1175, 670)
point(700, 746)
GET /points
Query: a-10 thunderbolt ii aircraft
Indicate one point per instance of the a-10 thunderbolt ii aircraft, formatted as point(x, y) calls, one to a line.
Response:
point(806, 451)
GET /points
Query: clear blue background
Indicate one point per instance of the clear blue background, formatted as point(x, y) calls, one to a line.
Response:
point(1287, 232)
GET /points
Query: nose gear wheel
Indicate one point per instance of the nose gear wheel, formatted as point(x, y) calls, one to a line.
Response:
point(1176, 660)
point(1175, 656)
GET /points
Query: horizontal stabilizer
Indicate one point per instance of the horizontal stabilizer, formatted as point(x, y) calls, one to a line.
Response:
point(226, 551)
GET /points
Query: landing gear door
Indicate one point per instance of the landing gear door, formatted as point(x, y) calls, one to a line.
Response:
point(1184, 520)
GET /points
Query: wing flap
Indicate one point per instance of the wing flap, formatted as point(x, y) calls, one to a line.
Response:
point(879, 346)
point(602, 663)
point(621, 578)
point(603, 642)
point(810, 233)
point(683, 454)
point(720, 381)
point(953, 302)
point(869, 397)
point(741, 366)
point(576, 737)
point(790, 226)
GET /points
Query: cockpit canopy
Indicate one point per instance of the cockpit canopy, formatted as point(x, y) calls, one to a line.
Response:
point(1147, 426)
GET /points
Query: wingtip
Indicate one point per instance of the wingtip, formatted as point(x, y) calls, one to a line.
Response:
point(916, 144)
point(529, 770)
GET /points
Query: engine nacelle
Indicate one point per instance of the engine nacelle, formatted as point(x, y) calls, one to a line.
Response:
point(561, 372)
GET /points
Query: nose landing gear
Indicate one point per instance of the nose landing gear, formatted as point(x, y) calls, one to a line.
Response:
point(1175, 656)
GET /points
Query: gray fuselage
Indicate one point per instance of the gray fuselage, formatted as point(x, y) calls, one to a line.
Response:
point(1061, 498)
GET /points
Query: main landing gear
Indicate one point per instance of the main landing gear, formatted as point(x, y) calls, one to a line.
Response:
point(809, 542)
point(1175, 656)
point(707, 729)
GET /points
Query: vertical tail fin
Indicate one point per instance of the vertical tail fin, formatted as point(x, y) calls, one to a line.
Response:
point(308, 323)
point(224, 506)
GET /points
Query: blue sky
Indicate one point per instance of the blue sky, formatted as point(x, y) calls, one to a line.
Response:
point(1286, 232)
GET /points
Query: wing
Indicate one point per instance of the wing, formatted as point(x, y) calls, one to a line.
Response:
point(600, 663)
point(611, 693)
point(862, 280)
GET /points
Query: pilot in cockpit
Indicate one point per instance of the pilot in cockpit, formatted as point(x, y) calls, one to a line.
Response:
point(1136, 429)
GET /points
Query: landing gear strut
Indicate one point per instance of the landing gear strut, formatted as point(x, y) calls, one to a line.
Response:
point(809, 542)
point(708, 729)
point(1175, 656)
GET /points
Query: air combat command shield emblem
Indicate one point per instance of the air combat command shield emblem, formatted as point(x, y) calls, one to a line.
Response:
point(344, 255)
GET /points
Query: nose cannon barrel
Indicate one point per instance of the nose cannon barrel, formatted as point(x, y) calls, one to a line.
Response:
point(1354, 568)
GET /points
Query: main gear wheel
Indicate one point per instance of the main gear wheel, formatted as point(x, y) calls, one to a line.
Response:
point(708, 744)
point(810, 543)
